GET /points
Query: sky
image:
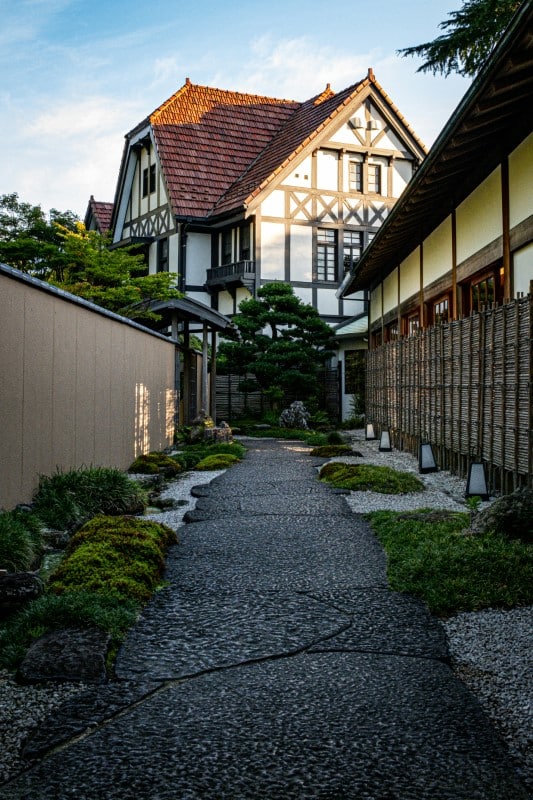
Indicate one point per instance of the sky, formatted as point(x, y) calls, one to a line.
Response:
point(77, 75)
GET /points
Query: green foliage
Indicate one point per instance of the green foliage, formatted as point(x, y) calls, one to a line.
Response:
point(334, 437)
point(331, 450)
point(113, 279)
point(510, 515)
point(20, 540)
point(155, 464)
point(70, 497)
point(52, 612)
point(121, 557)
point(29, 241)
point(281, 341)
point(216, 461)
point(370, 478)
point(449, 570)
point(192, 454)
point(471, 35)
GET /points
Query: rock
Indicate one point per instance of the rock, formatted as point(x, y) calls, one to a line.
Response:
point(17, 589)
point(67, 655)
point(511, 515)
point(295, 416)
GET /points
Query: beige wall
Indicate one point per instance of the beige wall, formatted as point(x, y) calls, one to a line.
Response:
point(479, 217)
point(77, 388)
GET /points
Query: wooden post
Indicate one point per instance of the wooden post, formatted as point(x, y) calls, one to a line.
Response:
point(213, 409)
point(205, 357)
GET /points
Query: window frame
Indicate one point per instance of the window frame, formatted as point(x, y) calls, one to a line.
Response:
point(326, 270)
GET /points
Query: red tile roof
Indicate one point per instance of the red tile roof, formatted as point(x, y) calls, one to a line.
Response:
point(102, 213)
point(219, 148)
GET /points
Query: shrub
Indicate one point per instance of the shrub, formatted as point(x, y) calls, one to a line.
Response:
point(69, 497)
point(334, 437)
point(52, 612)
point(434, 560)
point(156, 464)
point(216, 461)
point(331, 450)
point(20, 540)
point(371, 478)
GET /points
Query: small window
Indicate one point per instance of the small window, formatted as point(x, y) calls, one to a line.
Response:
point(374, 178)
point(441, 310)
point(352, 248)
point(148, 180)
point(412, 324)
point(326, 255)
point(244, 244)
point(392, 331)
point(355, 176)
point(483, 293)
point(162, 255)
point(226, 255)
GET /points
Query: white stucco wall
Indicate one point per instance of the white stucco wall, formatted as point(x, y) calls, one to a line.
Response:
point(523, 268)
point(479, 217)
point(438, 252)
point(402, 172)
point(327, 302)
point(301, 244)
point(375, 304)
point(274, 204)
point(410, 275)
point(198, 257)
point(301, 175)
point(272, 251)
point(521, 182)
point(327, 170)
point(390, 291)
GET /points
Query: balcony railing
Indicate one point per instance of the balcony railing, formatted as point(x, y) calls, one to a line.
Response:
point(239, 272)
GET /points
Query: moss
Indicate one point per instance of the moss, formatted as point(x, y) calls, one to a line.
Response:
point(218, 461)
point(331, 450)
point(156, 464)
point(371, 478)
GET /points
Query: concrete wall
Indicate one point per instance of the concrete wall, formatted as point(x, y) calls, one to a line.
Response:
point(78, 387)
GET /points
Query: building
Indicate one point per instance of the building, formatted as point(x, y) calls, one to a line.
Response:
point(456, 249)
point(232, 191)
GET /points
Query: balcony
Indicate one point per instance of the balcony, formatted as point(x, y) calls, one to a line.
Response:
point(229, 276)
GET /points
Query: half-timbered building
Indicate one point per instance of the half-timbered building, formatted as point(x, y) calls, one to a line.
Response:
point(232, 191)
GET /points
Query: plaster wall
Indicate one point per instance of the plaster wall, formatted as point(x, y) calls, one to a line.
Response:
point(438, 252)
point(479, 217)
point(521, 181)
point(272, 251)
point(410, 275)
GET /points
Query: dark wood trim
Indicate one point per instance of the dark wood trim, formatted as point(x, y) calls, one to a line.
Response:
point(506, 235)
point(481, 260)
point(521, 234)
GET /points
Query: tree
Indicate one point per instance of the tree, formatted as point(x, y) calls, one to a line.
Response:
point(110, 278)
point(472, 33)
point(281, 341)
point(28, 240)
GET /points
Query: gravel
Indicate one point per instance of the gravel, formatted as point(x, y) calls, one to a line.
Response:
point(490, 649)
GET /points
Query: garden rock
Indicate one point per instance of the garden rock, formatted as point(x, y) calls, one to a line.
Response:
point(70, 654)
point(17, 589)
point(295, 416)
point(510, 515)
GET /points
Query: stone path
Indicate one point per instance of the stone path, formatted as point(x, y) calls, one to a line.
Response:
point(276, 665)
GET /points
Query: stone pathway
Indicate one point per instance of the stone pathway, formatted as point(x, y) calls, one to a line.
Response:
point(276, 665)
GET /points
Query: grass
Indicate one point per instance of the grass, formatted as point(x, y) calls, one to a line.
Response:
point(67, 498)
point(434, 560)
point(20, 540)
point(371, 478)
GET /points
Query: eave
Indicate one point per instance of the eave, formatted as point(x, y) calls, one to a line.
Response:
point(490, 121)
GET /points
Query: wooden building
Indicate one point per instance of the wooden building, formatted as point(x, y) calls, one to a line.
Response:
point(232, 191)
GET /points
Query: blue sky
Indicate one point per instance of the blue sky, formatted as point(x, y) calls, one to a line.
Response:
point(77, 75)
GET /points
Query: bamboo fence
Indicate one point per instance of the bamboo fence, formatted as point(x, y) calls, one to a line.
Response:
point(465, 387)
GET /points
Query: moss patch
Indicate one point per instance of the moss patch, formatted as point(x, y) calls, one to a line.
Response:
point(216, 461)
point(331, 450)
point(370, 478)
point(156, 464)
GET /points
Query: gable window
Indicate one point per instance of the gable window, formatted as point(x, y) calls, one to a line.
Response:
point(374, 178)
point(148, 180)
point(355, 176)
point(352, 248)
point(244, 244)
point(226, 253)
point(162, 255)
point(326, 264)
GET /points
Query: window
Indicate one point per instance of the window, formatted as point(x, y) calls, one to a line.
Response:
point(148, 180)
point(355, 176)
point(244, 244)
point(483, 293)
point(374, 178)
point(352, 248)
point(392, 331)
point(441, 310)
point(412, 324)
point(162, 255)
point(326, 255)
point(226, 255)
